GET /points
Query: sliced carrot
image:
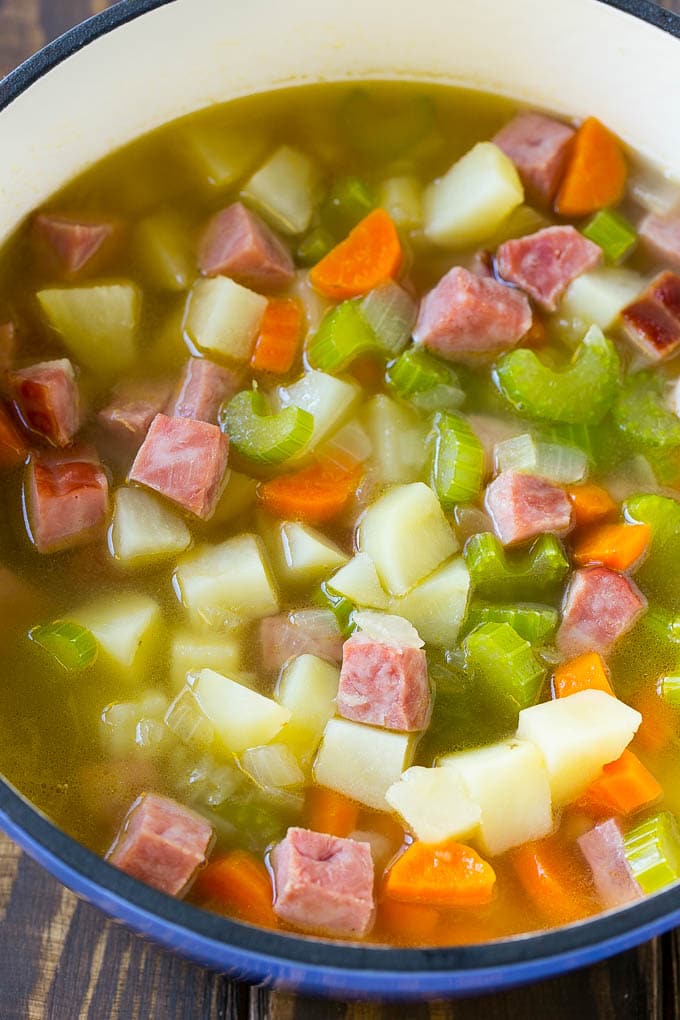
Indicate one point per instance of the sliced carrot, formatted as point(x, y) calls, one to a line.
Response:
point(617, 546)
point(279, 339)
point(447, 874)
point(585, 673)
point(370, 254)
point(624, 786)
point(316, 494)
point(659, 722)
point(13, 446)
point(328, 811)
point(239, 883)
point(547, 876)
point(596, 172)
point(409, 923)
point(590, 503)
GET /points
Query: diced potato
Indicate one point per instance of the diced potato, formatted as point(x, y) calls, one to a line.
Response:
point(143, 529)
point(284, 190)
point(435, 804)
point(577, 736)
point(191, 652)
point(398, 439)
point(509, 782)
point(241, 717)
point(307, 687)
point(362, 761)
point(599, 297)
point(358, 581)
point(300, 555)
point(436, 607)
point(228, 584)
point(238, 495)
point(127, 627)
point(473, 198)
point(223, 317)
point(328, 400)
point(219, 156)
point(163, 246)
point(402, 198)
point(98, 323)
point(406, 535)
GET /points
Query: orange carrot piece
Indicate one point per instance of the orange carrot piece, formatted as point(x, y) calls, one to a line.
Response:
point(624, 786)
point(316, 494)
point(279, 339)
point(13, 446)
point(596, 172)
point(584, 673)
point(617, 546)
point(239, 883)
point(659, 722)
point(328, 811)
point(547, 877)
point(590, 503)
point(447, 874)
point(370, 254)
point(408, 923)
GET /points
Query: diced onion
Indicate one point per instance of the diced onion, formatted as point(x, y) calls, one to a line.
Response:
point(556, 462)
point(386, 629)
point(391, 314)
point(187, 721)
point(272, 765)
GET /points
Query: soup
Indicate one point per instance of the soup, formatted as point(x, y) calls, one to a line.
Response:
point(341, 441)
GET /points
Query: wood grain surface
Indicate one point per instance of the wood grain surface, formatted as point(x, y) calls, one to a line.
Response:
point(63, 960)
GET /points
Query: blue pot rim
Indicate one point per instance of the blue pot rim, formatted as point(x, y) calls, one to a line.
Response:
point(313, 965)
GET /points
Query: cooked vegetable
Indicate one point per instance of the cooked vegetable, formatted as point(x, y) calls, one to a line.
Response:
point(344, 334)
point(191, 651)
point(535, 624)
point(585, 673)
point(402, 197)
point(284, 190)
point(641, 414)
point(613, 233)
point(618, 546)
point(370, 255)
point(358, 582)
point(596, 173)
point(624, 787)
point(240, 884)
point(260, 435)
point(669, 690)
point(328, 811)
point(657, 574)
point(547, 877)
point(495, 573)
point(125, 627)
point(445, 875)
point(557, 463)
point(327, 399)
point(144, 530)
point(361, 762)
point(316, 494)
point(384, 130)
point(436, 606)
point(279, 338)
point(590, 503)
point(652, 850)
point(224, 318)
point(300, 555)
point(241, 717)
point(508, 674)
point(272, 766)
point(397, 437)
point(458, 461)
point(163, 244)
point(425, 381)
point(349, 200)
point(74, 647)
point(435, 804)
point(598, 298)
point(391, 314)
point(307, 687)
point(221, 156)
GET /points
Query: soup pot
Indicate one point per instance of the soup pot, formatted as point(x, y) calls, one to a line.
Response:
point(144, 62)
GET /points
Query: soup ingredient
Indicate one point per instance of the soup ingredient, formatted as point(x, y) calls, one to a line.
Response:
point(329, 400)
point(13, 446)
point(358, 582)
point(284, 190)
point(436, 606)
point(545, 263)
point(125, 627)
point(539, 147)
point(239, 883)
point(457, 461)
point(313, 631)
point(494, 575)
point(161, 244)
point(589, 504)
point(316, 494)
point(448, 874)
point(596, 172)
point(73, 646)
point(435, 804)
point(73, 242)
point(599, 297)
point(507, 674)
point(524, 506)
point(48, 400)
point(308, 688)
point(191, 651)
point(424, 381)
point(67, 495)
point(402, 198)
point(652, 321)
point(324, 883)
point(236, 243)
point(343, 336)
point(125, 420)
point(330, 812)
point(624, 787)
point(361, 761)
point(397, 438)
point(278, 342)
point(618, 546)
point(224, 318)
point(534, 623)
point(612, 233)
point(143, 529)
point(547, 876)
point(603, 848)
point(263, 436)
point(241, 717)
point(584, 673)
point(550, 461)
point(661, 234)
point(300, 556)
point(202, 388)
point(371, 254)
point(391, 313)
point(641, 414)
point(662, 514)
point(599, 607)
point(652, 849)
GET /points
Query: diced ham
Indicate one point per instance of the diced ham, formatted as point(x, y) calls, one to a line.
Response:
point(134, 405)
point(470, 314)
point(13, 445)
point(324, 883)
point(545, 263)
point(73, 241)
point(524, 506)
point(384, 685)
point(652, 321)
point(303, 632)
point(66, 498)
point(162, 843)
point(539, 147)
point(237, 243)
point(8, 345)
point(48, 400)
point(603, 848)
point(661, 234)
point(482, 264)
point(185, 461)
point(599, 607)
point(201, 390)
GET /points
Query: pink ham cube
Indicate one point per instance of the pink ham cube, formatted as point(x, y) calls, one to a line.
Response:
point(67, 497)
point(652, 321)
point(545, 263)
point(185, 461)
point(72, 242)
point(237, 243)
point(47, 399)
point(384, 684)
point(132, 408)
point(324, 883)
point(661, 235)
point(539, 148)
point(201, 390)
point(599, 607)
point(524, 506)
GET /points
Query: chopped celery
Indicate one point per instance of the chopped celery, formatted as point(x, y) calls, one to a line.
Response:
point(313, 246)
point(536, 624)
point(163, 244)
point(329, 400)
point(260, 435)
point(669, 689)
point(221, 156)
point(509, 675)
point(657, 575)
point(496, 574)
point(340, 606)
point(350, 199)
point(391, 314)
point(458, 461)
point(425, 381)
point(652, 849)
point(383, 131)
point(397, 439)
point(580, 393)
point(284, 190)
point(73, 646)
point(563, 464)
point(224, 317)
point(613, 233)
point(343, 335)
point(640, 413)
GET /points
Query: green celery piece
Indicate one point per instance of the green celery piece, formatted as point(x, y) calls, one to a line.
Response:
point(508, 673)
point(649, 650)
point(582, 393)
point(74, 647)
point(382, 131)
point(494, 574)
point(641, 416)
point(652, 849)
point(312, 248)
point(658, 573)
point(613, 233)
point(669, 689)
point(342, 336)
point(425, 381)
point(350, 199)
point(602, 443)
point(536, 624)
point(457, 462)
point(340, 606)
point(260, 435)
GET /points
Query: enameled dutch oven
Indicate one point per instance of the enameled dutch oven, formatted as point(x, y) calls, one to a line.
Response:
point(144, 62)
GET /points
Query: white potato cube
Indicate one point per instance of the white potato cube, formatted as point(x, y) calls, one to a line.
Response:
point(307, 687)
point(190, 652)
point(241, 717)
point(223, 317)
point(218, 156)
point(327, 399)
point(402, 198)
point(406, 535)
point(127, 627)
point(509, 782)
point(358, 581)
point(362, 762)
point(284, 190)
point(300, 555)
point(238, 495)
point(143, 529)
point(227, 584)
point(436, 607)
point(599, 297)
point(577, 736)
point(398, 439)
point(435, 804)
point(472, 199)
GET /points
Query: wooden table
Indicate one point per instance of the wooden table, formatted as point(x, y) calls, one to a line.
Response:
point(63, 960)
